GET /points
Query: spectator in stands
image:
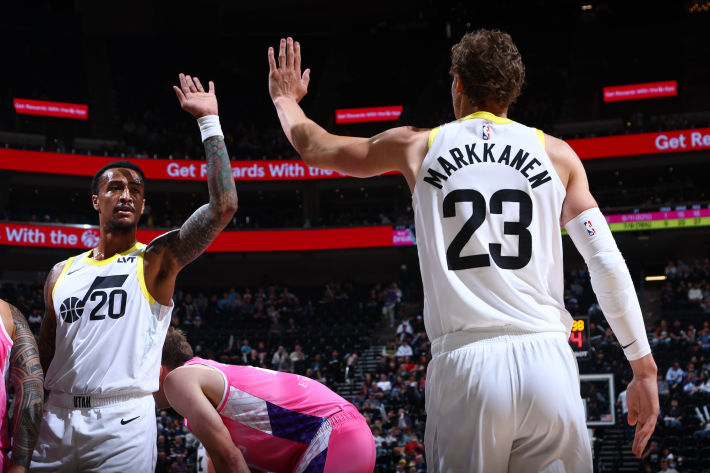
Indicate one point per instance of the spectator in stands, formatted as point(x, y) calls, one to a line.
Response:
point(389, 307)
point(298, 358)
point(308, 308)
point(404, 329)
point(652, 454)
point(286, 365)
point(245, 346)
point(665, 467)
point(35, 320)
point(671, 271)
point(404, 349)
point(335, 368)
point(414, 446)
point(676, 332)
point(276, 330)
point(695, 294)
point(385, 385)
point(674, 416)
point(675, 375)
point(664, 390)
point(608, 339)
point(179, 466)
point(317, 364)
point(278, 358)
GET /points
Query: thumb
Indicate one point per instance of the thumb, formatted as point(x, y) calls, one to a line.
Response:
point(633, 416)
point(306, 77)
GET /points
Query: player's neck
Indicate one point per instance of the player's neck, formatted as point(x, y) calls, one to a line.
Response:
point(466, 109)
point(111, 244)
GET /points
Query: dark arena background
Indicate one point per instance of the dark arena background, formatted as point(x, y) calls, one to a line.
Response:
point(318, 260)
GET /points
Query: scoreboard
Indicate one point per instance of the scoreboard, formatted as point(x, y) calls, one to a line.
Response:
point(579, 339)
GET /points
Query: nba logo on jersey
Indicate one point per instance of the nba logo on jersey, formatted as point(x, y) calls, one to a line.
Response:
point(486, 132)
point(590, 228)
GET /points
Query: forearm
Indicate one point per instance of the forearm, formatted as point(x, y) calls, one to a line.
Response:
point(27, 380)
point(220, 181)
point(228, 460)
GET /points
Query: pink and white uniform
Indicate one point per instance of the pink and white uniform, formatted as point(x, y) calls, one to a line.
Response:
point(285, 423)
point(5, 349)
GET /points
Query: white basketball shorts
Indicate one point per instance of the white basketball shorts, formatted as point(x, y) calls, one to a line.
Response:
point(505, 400)
point(114, 433)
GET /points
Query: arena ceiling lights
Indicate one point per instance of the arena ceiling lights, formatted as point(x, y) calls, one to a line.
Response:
point(649, 90)
point(51, 109)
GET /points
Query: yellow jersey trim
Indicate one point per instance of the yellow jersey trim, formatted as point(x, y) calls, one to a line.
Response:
point(541, 137)
point(141, 279)
point(93, 262)
point(432, 135)
point(61, 275)
point(487, 116)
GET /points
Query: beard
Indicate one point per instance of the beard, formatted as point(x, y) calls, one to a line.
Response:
point(121, 227)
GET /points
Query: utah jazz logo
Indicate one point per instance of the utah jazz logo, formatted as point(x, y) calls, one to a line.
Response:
point(72, 308)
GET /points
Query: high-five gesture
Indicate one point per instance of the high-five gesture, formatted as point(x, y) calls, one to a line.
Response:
point(286, 80)
point(194, 99)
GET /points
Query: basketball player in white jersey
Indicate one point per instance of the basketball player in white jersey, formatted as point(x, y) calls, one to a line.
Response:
point(108, 311)
point(19, 362)
point(489, 196)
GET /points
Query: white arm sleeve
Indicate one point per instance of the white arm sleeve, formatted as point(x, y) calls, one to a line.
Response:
point(611, 281)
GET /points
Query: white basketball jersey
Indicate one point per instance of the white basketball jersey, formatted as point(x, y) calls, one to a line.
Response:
point(487, 206)
point(110, 330)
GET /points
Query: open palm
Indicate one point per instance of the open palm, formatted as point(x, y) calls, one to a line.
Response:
point(193, 97)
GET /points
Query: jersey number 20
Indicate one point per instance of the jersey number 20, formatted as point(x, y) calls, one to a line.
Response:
point(453, 252)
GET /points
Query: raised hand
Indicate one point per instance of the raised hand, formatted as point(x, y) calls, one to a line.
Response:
point(286, 80)
point(194, 99)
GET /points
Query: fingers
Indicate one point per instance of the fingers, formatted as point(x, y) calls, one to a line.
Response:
point(632, 416)
point(282, 54)
point(272, 61)
point(198, 85)
point(643, 434)
point(180, 96)
point(183, 84)
point(190, 84)
point(306, 77)
point(289, 50)
point(212, 89)
point(297, 59)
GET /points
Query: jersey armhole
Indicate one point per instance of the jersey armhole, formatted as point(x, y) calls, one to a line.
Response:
point(61, 275)
point(541, 137)
point(432, 136)
point(226, 384)
point(141, 278)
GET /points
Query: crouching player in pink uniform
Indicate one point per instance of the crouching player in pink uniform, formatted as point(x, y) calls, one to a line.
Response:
point(278, 422)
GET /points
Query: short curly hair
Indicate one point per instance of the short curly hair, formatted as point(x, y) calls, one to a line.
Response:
point(491, 67)
point(176, 349)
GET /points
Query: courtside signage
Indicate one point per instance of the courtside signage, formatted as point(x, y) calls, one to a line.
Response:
point(642, 143)
point(162, 169)
point(368, 114)
point(84, 237)
point(657, 220)
point(649, 90)
point(294, 170)
point(51, 109)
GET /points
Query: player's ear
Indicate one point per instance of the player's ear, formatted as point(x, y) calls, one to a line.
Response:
point(459, 84)
point(95, 201)
point(143, 210)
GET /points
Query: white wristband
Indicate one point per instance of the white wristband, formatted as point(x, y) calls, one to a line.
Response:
point(209, 126)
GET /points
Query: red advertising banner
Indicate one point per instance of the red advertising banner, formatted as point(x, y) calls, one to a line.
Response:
point(642, 143)
point(368, 114)
point(85, 237)
point(192, 170)
point(162, 169)
point(649, 90)
point(51, 109)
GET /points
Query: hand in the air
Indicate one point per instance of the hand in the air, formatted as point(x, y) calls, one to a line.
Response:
point(286, 80)
point(642, 401)
point(194, 99)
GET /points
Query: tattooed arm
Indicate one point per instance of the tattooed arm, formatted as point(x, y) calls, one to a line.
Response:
point(48, 329)
point(169, 253)
point(27, 379)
